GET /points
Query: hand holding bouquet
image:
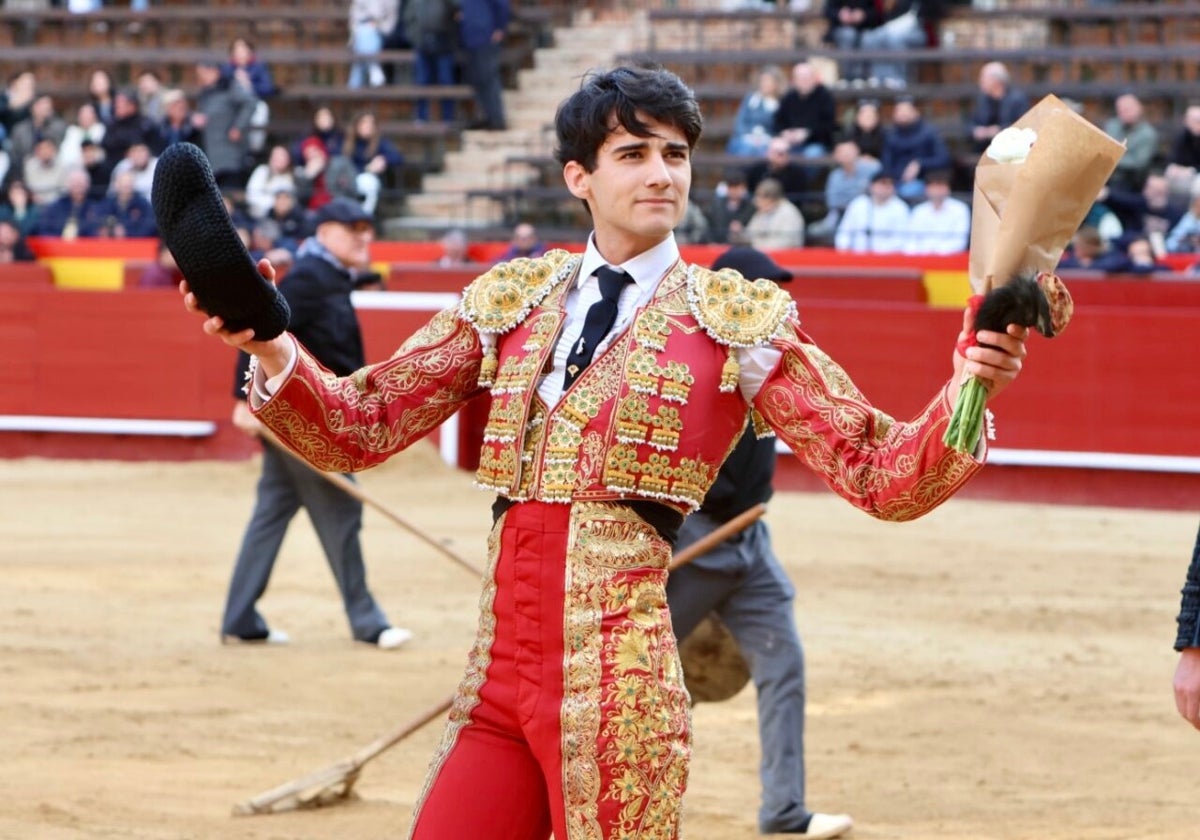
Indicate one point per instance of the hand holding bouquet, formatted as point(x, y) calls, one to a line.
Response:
point(1033, 186)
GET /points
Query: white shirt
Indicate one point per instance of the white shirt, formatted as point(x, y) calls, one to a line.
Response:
point(867, 227)
point(939, 230)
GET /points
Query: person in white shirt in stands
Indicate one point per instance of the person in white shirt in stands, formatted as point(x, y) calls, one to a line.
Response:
point(875, 223)
point(941, 224)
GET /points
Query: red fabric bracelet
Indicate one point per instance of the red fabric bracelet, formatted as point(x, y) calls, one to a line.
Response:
point(969, 340)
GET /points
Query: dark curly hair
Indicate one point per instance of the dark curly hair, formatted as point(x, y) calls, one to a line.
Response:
point(584, 120)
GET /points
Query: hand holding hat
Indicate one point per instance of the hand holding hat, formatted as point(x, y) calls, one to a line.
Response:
point(196, 228)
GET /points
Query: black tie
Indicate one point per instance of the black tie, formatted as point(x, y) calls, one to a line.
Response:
point(597, 323)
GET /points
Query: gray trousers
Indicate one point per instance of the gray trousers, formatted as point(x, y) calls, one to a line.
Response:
point(285, 486)
point(742, 581)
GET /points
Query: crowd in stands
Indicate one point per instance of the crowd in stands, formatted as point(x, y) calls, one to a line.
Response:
point(877, 178)
point(883, 182)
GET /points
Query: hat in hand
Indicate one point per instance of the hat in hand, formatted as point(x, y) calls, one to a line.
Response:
point(752, 264)
point(195, 226)
point(344, 211)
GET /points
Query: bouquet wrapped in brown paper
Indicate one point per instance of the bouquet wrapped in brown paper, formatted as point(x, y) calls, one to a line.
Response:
point(1033, 187)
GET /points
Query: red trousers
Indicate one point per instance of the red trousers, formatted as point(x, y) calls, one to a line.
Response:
point(572, 717)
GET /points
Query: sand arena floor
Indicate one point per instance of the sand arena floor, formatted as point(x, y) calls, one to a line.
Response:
point(991, 672)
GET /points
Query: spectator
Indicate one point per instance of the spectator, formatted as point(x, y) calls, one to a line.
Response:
point(15, 100)
point(253, 76)
point(373, 156)
point(150, 92)
point(323, 127)
point(276, 173)
point(370, 21)
point(1088, 251)
point(1184, 238)
point(44, 173)
point(755, 119)
point(87, 126)
point(904, 25)
point(266, 242)
point(997, 105)
point(1153, 211)
point(482, 28)
point(289, 215)
point(13, 247)
point(1103, 219)
point(321, 177)
point(454, 249)
point(223, 114)
point(875, 223)
point(18, 208)
point(74, 214)
point(806, 117)
point(731, 209)
point(126, 213)
point(128, 127)
point(140, 163)
point(101, 93)
point(1130, 126)
point(941, 224)
point(176, 125)
point(912, 147)
point(163, 273)
point(524, 243)
point(693, 227)
point(98, 167)
point(776, 223)
point(432, 28)
point(43, 121)
point(1140, 257)
point(847, 21)
point(866, 131)
point(1183, 162)
point(848, 179)
point(779, 166)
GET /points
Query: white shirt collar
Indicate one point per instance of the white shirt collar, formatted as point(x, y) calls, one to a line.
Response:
point(646, 269)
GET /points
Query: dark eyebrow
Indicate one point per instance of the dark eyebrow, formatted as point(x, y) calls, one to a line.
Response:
point(672, 146)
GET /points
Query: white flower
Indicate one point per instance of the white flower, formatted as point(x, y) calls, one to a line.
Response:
point(1012, 145)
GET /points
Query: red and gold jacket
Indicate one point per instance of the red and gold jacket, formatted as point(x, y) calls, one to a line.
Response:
point(652, 417)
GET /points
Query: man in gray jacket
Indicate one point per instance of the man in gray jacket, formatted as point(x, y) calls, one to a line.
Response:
point(222, 116)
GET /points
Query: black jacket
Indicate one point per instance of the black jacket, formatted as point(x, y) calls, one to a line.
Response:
point(745, 478)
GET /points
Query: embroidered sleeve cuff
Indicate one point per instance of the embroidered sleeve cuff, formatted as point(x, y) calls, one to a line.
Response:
point(260, 388)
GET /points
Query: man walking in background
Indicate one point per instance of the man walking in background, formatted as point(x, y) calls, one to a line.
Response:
point(742, 581)
point(318, 290)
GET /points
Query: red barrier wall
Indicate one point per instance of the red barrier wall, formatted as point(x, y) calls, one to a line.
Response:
point(1119, 380)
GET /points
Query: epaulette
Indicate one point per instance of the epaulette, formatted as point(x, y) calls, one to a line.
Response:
point(735, 311)
point(498, 300)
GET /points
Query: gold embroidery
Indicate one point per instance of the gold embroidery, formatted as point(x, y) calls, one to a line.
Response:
point(736, 311)
point(347, 424)
point(625, 747)
point(499, 300)
point(894, 471)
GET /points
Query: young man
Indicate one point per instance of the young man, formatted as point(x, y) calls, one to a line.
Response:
point(620, 379)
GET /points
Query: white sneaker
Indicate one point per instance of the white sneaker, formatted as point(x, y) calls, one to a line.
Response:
point(824, 826)
point(393, 637)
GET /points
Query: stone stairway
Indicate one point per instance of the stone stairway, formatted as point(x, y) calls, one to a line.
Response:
point(480, 163)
